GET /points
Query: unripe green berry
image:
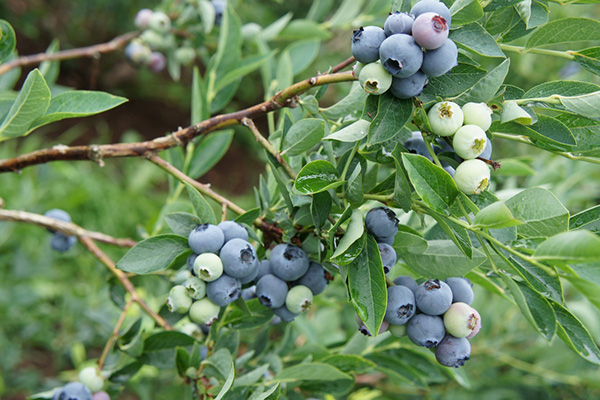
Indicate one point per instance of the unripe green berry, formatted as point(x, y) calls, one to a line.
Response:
point(375, 79)
point(179, 300)
point(185, 55)
point(298, 299)
point(155, 40)
point(91, 377)
point(160, 22)
point(478, 114)
point(196, 287)
point(208, 267)
point(204, 311)
point(469, 141)
point(460, 320)
point(191, 373)
point(445, 118)
point(472, 176)
point(397, 330)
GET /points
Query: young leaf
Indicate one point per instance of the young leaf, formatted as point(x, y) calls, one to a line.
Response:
point(512, 112)
point(203, 210)
point(153, 254)
point(496, 215)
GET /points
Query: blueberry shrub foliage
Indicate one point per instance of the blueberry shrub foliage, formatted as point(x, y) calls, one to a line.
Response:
point(390, 210)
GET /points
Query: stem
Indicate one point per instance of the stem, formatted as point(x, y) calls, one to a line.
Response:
point(115, 334)
point(223, 212)
point(268, 147)
point(349, 161)
point(548, 100)
point(379, 197)
point(436, 160)
point(523, 50)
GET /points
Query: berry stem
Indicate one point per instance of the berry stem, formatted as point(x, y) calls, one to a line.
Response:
point(523, 50)
point(436, 160)
point(114, 335)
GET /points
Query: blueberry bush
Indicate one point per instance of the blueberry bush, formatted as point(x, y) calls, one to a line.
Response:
point(428, 201)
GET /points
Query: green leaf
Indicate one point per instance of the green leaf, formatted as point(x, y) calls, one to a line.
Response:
point(302, 29)
point(153, 254)
point(317, 176)
point(407, 240)
point(396, 369)
point(512, 112)
point(475, 38)
point(465, 11)
point(588, 59)
point(354, 188)
point(203, 210)
point(346, 12)
point(367, 287)
point(539, 279)
point(435, 186)
point(209, 152)
point(458, 234)
point(487, 87)
point(574, 334)
point(270, 32)
point(8, 41)
point(442, 259)
point(579, 246)
point(547, 131)
point(303, 53)
point(566, 30)
point(349, 106)
point(543, 214)
point(587, 105)
point(351, 133)
point(514, 167)
point(77, 104)
point(392, 114)
point(402, 190)
point(317, 376)
point(587, 219)
point(31, 103)
point(320, 207)
point(182, 223)
point(248, 217)
point(563, 88)
point(499, 4)
point(349, 363)
point(303, 135)
point(199, 104)
point(459, 79)
point(354, 231)
point(207, 14)
point(496, 215)
point(228, 382)
point(247, 65)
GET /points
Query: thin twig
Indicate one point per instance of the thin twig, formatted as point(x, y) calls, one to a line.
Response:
point(89, 51)
point(122, 277)
point(67, 228)
point(114, 336)
point(223, 212)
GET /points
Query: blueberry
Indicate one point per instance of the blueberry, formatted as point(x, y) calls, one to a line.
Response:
point(356, 71)
point(477, 319)
point(487, 152)
point(208, 267)
point(159, 22)
point(137, 53)
point(388, 256)
point(179, 300)
point(190, 263)
point(382, 223)
point(285, 314)
point(220, 6)
point(61, 242)
point(405, 88)
point(91, 378)
point(298, 299)
point(461, 320)
point(362, 328)
point(58, 214)
point(366, 42)
point(249, 293)
point(479, 114)
point(195, 287)
point(400, 306)
point(430, 30)
point(453, 352)
point(472, 176)
point(445, 118)
point(375, 79)
point(288, 262)
point(224, 290)
point(143, 17)
point(185, 55)
point(401, 55)
point(435, 6)
point(433, 297)
point(271, 291)
point(462, 290)
point(398, 22)
point(100, 396)
point(239, 258)
point(264, 268)
point(425, 330)
point(397, 330)
point(405, 280)
point(315, 278)
point(450, 170)
point(74, 391)
point(157, 62)
point(416, 145)
point(206, 238)
point(252, 276)
point(441, 60)
point(232, 230)
point(204, 312)
point(157, 41)
point(469, 141)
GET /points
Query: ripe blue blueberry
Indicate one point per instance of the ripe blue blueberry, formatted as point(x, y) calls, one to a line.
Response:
point(220, 6)
point(61, 242)
point(404, 280)
point(398, 22)
point(362, 328)
point(288, 262)
point(405, 88)
point(469, 141)
point(179, 300)
point(285, 314)
point(271, 291)
point(445, 118)
point(298, 299)
point(382, 223)
point(416, 145)
point(479, 114)
point(190, 263)
point(400, 306)
point(487, 152)
point(450, 170)
point(73, 391)
point(252, 276)
point(208, 267)
point(224, 290)
point(239, 258)
point(435, 6)
point(461, 320)
point(401, 55)
point(204, 312)
point(232, 230)
point(375, 79)
point(462, 290)
point(315, 278)
point(143, 17)
point(388, 256)
point(58, 214)
point(264, 268)
point(206, 238)
point(433, 297)
point(366, 42)
point(441, 60)
point(472, 176)
point(249, 293)
point(430, 30)
point(425, 330)
point(453, 352)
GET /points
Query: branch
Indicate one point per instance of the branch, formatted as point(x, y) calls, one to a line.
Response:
point(285, 98)
point(90, 51)
point(65, 227)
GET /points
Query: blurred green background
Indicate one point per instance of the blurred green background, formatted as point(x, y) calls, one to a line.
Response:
point(55, 308)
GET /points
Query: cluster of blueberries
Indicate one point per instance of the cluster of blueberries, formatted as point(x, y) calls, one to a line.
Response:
point(90, 380)
point(157, 39)
point(223, 261)
point(60, 241)
point(462, 136)
point(410, 48)
point(434, 314)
